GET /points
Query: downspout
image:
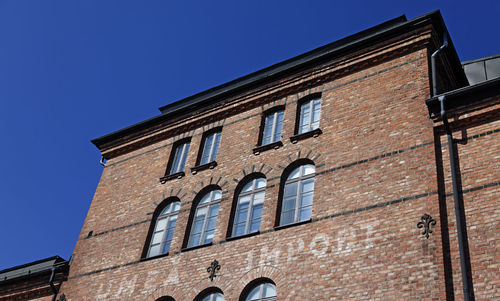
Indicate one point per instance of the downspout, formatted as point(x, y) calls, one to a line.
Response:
point(51, 283)
point(459, 210)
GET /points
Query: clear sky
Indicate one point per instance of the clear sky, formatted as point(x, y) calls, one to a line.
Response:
point(71, 71)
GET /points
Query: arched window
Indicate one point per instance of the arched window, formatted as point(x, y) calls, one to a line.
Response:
point(264, 291)
point(213, 297)
point(205, 218)
point(298, 195)
point(163, 229)
point(249, 207)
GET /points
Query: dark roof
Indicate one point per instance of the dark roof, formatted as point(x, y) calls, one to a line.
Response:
point(482, 69)
point(33, 268)
point(359, 40)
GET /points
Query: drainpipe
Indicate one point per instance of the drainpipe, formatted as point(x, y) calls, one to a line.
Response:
point(433, 64)
point(463, 244)
point(51, 283)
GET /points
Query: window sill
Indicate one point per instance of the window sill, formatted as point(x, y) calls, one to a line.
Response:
point(176, 175)
point(242, 236)
point(276, 228)
point(154, 257)
point(263, 148)
point(196, 247)
point(209, 165)
point(314, 133)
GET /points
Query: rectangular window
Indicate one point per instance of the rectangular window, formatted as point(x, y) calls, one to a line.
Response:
point(179, 160)
point(210, 148)
point(273, 124)
point(309, 115)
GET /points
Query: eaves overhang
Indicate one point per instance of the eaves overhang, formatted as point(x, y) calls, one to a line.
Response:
point(465, 99)
point(33, 269)
point(361, 40)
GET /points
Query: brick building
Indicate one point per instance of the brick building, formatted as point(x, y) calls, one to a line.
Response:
point(306, 181)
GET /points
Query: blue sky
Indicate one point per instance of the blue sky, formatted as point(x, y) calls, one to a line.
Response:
point(71, 71)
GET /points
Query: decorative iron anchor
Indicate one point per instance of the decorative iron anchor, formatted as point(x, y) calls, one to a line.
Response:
point(214, 266)
point(426, 223)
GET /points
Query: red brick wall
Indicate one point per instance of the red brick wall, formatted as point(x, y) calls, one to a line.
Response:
point(375, 177)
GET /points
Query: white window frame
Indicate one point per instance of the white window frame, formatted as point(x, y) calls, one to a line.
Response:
point(298, 196)
point(261, 286)
point(180, 157)
point(168, 213)
point(310, 122)
point(251, 206)
point(274, 125)
point(212, 149)
point(209, 205)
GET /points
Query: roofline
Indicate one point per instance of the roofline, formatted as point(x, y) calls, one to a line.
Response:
point(24, 265)
point(466, 97)
point(481, 59)
point(275, 71)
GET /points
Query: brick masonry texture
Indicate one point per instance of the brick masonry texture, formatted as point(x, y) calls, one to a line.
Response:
point(381, 163)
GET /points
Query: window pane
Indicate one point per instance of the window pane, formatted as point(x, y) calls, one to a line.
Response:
point(239, 230)
point(287, 217)
point(160, 224)
point(247, 187)
point(260, 183)
point(176, 206)
point(258, 198)
point(157, 237)
point(166, 247)
point(183, 159)
point(177, 158)
point(256, 212)
point(197, 226)
point(155, 250)
point(269, 291)
point(289, 203)
point(201, 212)
point(254, 226)
point(205, 199)
point(254, 294)
point(213, 156)
point(242, 216)
point(305, 213)
point(218, 297)
point(211, 223)
point(194, 241)
point(209, 236)
point(306, 200)
point(244, 200)
point(214, 209)
point(294, 174)
point(217, 195)
point(309, 169)
point(308, 185)
point(172, 221)
point(290, 189)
